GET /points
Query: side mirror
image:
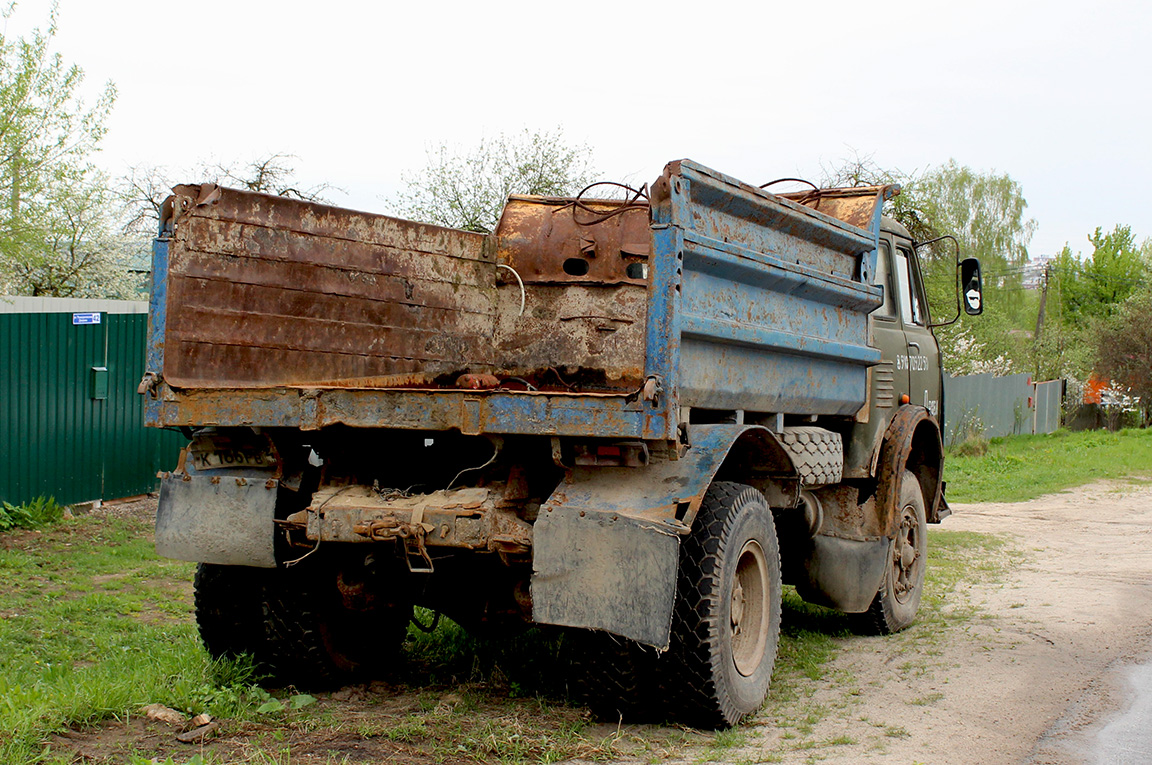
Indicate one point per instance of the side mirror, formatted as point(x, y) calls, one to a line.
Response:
point(971, 287)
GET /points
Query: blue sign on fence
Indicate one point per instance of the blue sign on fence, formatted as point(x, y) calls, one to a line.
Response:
point(85, 318)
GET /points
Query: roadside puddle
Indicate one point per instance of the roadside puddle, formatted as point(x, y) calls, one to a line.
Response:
point(1127, 736)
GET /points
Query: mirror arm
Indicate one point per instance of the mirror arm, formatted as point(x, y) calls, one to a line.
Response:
point(916, 247)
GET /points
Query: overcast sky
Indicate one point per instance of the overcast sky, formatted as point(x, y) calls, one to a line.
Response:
point(1054, 93)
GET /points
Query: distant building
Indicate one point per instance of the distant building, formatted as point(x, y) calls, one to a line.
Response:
point(1034, 271)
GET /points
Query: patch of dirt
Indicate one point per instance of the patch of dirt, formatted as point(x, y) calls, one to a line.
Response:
point(361, 724)
point(20, 539)
point(115, 741)
point(1030, 677)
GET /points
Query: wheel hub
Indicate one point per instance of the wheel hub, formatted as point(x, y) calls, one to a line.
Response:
point(749, 614)
point(906, 556)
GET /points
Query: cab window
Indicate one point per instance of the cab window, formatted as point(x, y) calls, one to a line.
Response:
point(883, 278)
point(910, 308)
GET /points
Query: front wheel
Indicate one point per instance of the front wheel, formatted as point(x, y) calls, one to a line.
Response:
point(726, 622)
point(898, 600)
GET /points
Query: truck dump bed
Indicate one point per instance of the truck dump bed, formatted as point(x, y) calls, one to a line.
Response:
point(573, 318)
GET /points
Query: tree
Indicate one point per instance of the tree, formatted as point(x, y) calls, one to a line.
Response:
point(79, 250)
point(467, 190)
point(1124, 348)
point(986, 214)
point(907, 207)
point(145, 187)
point(271, 174)
point(57, 223)
point(984, 211)
point(1097, 285)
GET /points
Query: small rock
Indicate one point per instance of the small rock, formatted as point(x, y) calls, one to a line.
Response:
point(163, 714)
point(201, 719)
point(198, 734)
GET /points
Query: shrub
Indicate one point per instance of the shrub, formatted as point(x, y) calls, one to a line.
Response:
point(39, 512)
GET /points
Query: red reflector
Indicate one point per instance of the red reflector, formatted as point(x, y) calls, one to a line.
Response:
point(608, 451)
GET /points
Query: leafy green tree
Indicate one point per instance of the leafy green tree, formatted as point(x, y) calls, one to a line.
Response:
point(986, 212)
point(1097, 285)
point(467, 190)
point(57, 221)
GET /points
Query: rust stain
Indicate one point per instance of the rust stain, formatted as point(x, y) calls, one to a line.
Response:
point(269, 292)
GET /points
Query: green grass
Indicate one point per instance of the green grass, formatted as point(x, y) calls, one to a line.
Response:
point(1019, 468)
point(95, 626)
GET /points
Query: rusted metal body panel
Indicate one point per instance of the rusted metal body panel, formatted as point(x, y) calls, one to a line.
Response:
point(552, 240)
point(772, 307)
point(856, 206)
point(266, 291)
point(605, 543)
point(593, 318)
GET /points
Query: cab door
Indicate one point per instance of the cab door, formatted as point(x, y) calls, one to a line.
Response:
point(921, 357)
point(890, 376)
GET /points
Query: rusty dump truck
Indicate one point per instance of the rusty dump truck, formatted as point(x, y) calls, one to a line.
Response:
point(633, 419)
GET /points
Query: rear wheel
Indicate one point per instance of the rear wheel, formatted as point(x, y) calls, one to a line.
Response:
point(229, 609)
point(325, 625)
point(614, 677)
point(726, 622)
point(898, 600)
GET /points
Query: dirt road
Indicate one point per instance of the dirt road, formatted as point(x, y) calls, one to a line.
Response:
point(1041, 672)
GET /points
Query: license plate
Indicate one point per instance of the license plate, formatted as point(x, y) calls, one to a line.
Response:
point(225, 458)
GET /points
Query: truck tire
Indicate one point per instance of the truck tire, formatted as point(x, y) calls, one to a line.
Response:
point(229, 609)
point(817, 454)
point(614, 677)
point(315, 641)
point(726, 620)
point(898, 600)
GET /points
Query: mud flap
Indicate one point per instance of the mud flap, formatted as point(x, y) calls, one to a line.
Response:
point(605, 571)
point(606, 545)
point(217, 519)
point(844, 574)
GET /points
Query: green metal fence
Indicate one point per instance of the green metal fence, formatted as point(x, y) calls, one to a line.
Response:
point(71, 422)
